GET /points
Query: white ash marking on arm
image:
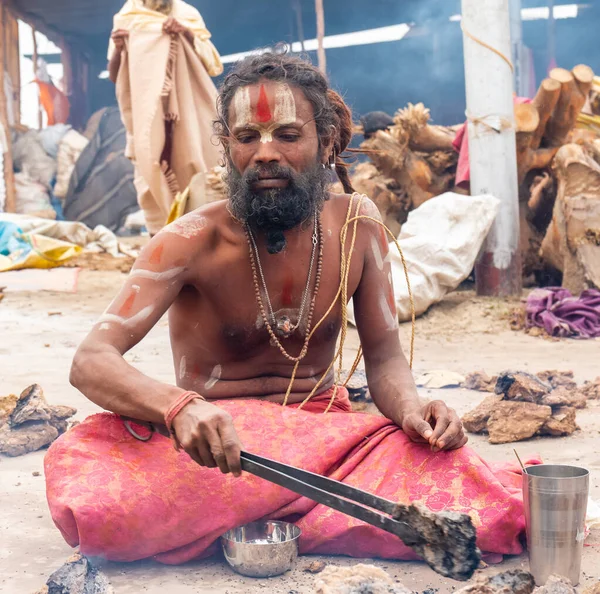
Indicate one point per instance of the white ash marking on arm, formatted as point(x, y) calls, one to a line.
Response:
point(188, 226)
point(377, 252)
point(131, 322)
point(215, 376)
point(182, 368)
point(157, 276)
point(390, 319)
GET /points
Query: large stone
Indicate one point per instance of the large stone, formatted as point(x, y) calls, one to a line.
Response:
point(562, 422)
point(476, 420)
point(480, 381)
point(591, 390)
point(556, 585)
point(29, 437)
point(558, 379)
point(516, 421)
point(522, 387)
point(31, 406)
point(358, 579)
point(515, 581)
point(564, 397)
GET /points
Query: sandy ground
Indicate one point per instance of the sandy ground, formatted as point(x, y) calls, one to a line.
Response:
point(462, 334)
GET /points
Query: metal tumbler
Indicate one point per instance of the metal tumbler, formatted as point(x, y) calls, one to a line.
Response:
point(555, 499)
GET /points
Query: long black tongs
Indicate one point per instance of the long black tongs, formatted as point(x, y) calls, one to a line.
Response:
point(445, 541)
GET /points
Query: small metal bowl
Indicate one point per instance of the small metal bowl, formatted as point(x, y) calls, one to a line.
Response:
point(262, 549)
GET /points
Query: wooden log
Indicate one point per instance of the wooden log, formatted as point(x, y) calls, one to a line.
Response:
point(526, 121)
point(571, 244)
point(573, 96)
point(413, 122)
point(545, 102)
point(9, 176)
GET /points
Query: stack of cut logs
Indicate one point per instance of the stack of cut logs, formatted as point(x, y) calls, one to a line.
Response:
point(558, 169)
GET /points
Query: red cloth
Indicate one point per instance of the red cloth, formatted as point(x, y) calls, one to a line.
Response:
point(461, 146)
point(125, 500)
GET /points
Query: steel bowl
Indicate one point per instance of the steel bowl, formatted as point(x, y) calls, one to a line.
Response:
point(262, 549)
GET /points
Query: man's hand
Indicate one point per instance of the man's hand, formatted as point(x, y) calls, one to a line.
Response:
point(173, 27)
point(207, 434)
point(119, 36)
point(437, 425)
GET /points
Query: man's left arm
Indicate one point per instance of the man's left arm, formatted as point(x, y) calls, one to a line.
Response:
point(389, 376)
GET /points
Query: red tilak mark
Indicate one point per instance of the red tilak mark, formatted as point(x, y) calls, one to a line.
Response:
point(128, 305)
point(156, 255)
point(286, 292)
point(263, 111)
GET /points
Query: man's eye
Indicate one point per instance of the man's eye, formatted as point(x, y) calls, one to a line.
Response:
point(288, 137)
point(246, 138)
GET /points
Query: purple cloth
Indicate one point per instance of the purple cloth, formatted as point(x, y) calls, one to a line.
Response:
point(560, 314)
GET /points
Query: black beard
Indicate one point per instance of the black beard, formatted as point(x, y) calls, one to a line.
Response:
point(275, 211)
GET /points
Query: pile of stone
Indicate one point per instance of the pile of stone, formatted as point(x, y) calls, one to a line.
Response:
point(77, 576)
point(28, 423)
point(525, 405)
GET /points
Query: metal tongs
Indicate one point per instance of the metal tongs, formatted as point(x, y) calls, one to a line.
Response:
point(339, 496)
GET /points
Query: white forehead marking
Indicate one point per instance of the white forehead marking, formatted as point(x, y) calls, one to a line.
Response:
point(243, 109)
point(283, 114)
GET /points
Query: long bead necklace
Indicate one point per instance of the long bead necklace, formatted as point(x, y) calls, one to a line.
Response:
point(285, 328)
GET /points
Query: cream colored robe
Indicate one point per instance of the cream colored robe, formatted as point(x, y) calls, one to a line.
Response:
point(166, 79)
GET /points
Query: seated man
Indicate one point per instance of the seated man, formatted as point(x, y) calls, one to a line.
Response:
point(253, 290)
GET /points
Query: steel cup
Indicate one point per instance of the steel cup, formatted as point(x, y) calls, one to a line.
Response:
point(555, 498)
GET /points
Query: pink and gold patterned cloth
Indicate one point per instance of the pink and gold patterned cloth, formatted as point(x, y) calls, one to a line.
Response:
point(124, 500)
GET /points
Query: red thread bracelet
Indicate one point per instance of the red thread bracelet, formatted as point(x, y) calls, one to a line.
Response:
point(176, 407)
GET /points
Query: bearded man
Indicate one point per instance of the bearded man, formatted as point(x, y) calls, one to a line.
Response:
point(252, 289)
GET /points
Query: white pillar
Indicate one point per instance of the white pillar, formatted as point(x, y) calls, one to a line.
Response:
point(492, 145)
point(521, 75)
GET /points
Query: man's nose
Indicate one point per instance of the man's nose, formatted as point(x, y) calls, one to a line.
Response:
point(266, 152)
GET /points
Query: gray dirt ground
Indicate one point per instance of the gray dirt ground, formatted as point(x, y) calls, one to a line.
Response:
point(462, 334)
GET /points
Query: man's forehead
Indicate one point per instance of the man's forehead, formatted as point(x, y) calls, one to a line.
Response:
point(265, 103)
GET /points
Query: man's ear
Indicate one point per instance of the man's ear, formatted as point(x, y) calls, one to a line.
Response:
point(327, 146)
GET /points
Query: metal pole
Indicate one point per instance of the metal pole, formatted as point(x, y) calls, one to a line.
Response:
point(321, 35)
point(516, 36)
point(492, 141)
point(551, 36)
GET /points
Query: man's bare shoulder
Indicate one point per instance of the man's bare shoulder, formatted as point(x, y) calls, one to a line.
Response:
point(350, 206)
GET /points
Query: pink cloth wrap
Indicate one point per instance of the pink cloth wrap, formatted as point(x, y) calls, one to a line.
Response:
point(124, 500)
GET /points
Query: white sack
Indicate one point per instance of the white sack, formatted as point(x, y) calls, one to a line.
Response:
point(440, 241)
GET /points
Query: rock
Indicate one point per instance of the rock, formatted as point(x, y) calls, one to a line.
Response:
point(78, 576)
point(358, 579)
point(522, 387)
point(562, 422)
point(558, 379)
point(7, 405)
point(446, 541)
point(315, 567)
point(556, 585)
point(564, 397)
point(26, 438)
point(515, 581)
point(595, 589)
point(32, 423)
point(31, 406)
point(591, 390)
point(515, 421)
point(480, 381)
point(476, 420)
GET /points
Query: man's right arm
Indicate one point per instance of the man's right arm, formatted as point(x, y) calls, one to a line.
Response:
point(118, 38)
point(99, 370)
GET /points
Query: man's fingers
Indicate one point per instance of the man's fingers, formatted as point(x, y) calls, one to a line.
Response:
point(453, 431)
point(231, 447)
point(418, 424)
point(205, 454)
